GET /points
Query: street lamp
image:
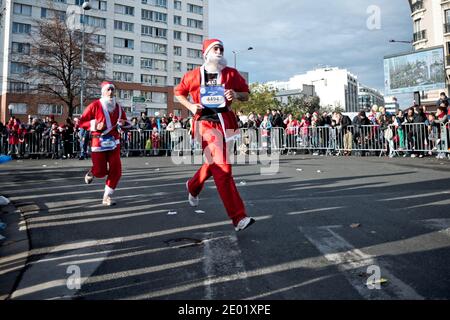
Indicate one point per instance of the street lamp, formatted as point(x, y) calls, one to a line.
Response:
point(85, 6)
point(235, 54)
point(11, 108)
point(401, 41)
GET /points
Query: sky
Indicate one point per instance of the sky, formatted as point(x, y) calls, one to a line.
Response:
point(290, 37)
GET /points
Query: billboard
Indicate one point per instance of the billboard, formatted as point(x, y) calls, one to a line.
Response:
point(418, 71)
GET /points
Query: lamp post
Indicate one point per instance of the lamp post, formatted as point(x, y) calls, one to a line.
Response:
point(85, 6)
point(401, 41)
point(11, 108)
point(235, 55)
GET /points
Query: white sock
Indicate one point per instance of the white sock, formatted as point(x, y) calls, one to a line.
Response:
point(108, 192)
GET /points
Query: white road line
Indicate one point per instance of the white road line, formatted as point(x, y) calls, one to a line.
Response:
point(314, 210)
point(222, 257)
point(352, 262)
point(442, 225)
point(49, 279)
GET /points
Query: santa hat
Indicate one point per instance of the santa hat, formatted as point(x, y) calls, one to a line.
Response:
point(106, 85)
point(209, 44)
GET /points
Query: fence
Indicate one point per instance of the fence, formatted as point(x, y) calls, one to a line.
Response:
point(405, 139)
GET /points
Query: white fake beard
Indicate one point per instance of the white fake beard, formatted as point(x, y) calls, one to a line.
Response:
point(109, 102)
point(214, 63)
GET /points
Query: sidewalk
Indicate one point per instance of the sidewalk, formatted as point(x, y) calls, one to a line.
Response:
point(13, 249)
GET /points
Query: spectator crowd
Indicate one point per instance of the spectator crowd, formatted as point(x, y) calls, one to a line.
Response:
point(322, 131)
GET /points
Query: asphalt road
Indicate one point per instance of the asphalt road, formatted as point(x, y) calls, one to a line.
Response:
point(325, 227)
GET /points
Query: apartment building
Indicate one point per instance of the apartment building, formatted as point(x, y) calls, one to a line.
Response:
point(150, 45)
point(335, 87)
point(368, 97)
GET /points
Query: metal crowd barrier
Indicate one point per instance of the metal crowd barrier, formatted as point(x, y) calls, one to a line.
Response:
point(402, 140)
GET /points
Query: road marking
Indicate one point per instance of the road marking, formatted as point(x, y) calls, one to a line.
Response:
point(352, 262)
point(222, 258)
point(442, 225)
point(314, 210)
point(49, 279)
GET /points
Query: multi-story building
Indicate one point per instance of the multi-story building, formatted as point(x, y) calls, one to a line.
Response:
point(283, 96)
point(335, 87)
point(368, 97)
point(150, 45)
point(431, 21)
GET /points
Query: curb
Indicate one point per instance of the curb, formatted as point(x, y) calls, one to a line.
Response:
point(14, 249)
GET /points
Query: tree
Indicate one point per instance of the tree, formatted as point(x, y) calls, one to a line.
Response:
point(298, 106)
point(261, 98)
point(55, 61)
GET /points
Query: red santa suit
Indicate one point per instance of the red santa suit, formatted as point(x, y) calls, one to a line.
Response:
point(214, 136)
point(104, 163)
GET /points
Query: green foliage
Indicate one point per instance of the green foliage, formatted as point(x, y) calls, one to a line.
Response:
point(261, 99)
point(299, 106)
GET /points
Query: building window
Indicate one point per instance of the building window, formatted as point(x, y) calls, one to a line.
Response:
point(94, 21)
point(150, 47)
point(22, 9)
point(126, 10)
point(153, 16)
point(177, 35)
point(156, 3)
point(124, 94)
point(123, 43)
point(19, 68)
point(177, 66)
point(123, 60)
point(153, 32)
point(176, 81)
point(19, 87)
point(177, 20)
point(195, 9)
point(122, 76)
point(153, 80)
point(153, 64)
point(21, 28)
point(99, 39)
point(102, 5)
point(177, 5)
point(193, 23)
point(192, 66)
point(22, 48)
point(49, 109)
point(194, 53)
point(124, 26)
point(177, 51)
point(196, 38)
point(20, 108)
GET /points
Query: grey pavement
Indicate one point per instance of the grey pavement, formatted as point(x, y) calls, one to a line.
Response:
point(325, 227)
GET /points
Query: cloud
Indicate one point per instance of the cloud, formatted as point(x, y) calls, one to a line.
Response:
point(292, 37)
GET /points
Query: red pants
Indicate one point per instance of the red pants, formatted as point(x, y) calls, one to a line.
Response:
point(100, 168)
point(217, 166)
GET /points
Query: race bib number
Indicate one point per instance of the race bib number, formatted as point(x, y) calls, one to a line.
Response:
point(213, 97)
point(107, 143)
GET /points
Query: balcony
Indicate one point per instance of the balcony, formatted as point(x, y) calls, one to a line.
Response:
point(418, 5)
point(421, 35)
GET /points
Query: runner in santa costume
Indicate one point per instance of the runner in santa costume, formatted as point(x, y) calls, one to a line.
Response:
point(103, 118)
point(213, 87)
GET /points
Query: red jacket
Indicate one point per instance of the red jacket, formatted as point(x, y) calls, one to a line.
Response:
point(94, 112)
point(231, 79)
